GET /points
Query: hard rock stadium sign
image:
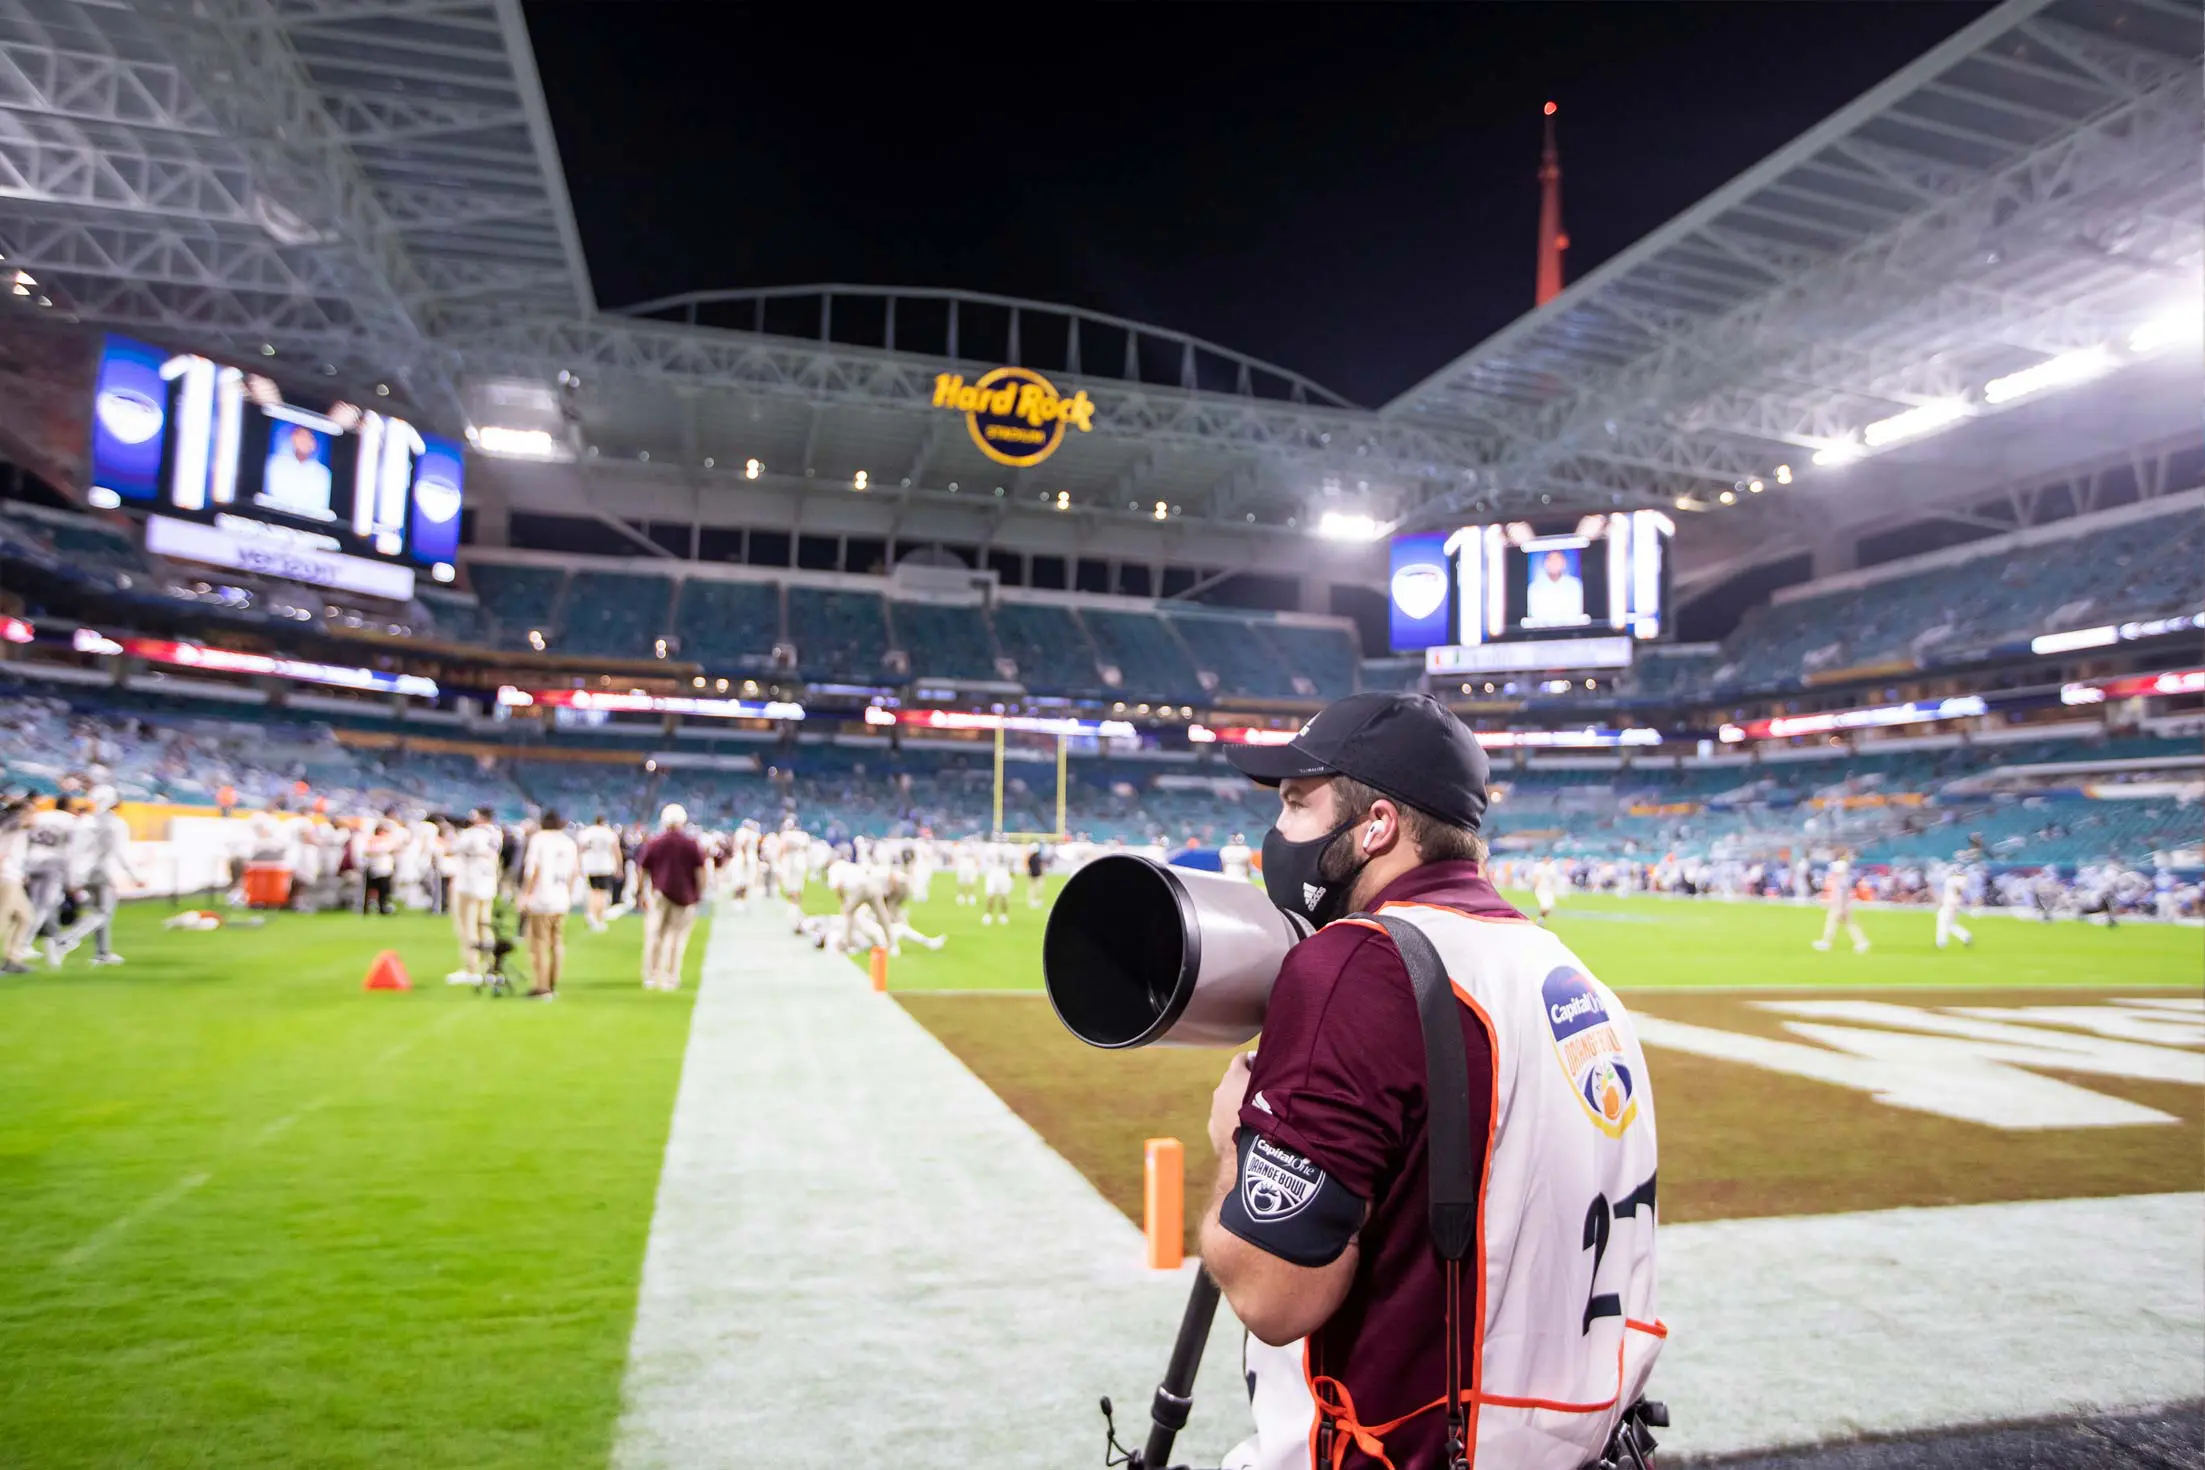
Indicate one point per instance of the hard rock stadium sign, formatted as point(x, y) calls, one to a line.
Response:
point(1015, 415)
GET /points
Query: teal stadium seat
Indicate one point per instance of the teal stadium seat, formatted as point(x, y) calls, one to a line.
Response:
point(1151, 663)
point(838, 635)
point(614, 614)
point(944, 642)
point(728, 625)
point(520, 598)
point(1050, 647)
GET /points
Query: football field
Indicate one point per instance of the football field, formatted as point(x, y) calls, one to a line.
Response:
point(256, 1216)
point(1789, 1081)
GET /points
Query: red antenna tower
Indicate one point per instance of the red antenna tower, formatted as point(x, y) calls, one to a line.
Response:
point(1552, 242)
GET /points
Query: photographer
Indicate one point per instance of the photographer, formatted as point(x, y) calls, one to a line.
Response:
point(1319, 1232)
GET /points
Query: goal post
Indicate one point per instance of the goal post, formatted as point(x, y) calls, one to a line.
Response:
point(1063, 832)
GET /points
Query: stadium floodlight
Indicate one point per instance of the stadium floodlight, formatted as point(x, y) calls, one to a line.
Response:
point(25, 278)
point(1783, 474)
point(1927, 418)
point(1728, 497)
point(860, 480)
point(1755, 486)
point(1340, 525)
point(752, 469)
point(1162, 510)
point(2183, 324)
point(510, 443)
point(2055, 372)
point(1844, 452)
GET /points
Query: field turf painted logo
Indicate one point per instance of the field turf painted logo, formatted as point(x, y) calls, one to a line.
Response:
point(1590, 1050)
point(1015, 415)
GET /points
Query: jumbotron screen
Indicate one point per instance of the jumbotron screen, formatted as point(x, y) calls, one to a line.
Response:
point(230, 472)
point(1587, 576)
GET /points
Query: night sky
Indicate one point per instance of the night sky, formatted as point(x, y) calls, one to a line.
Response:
point(1345, 190)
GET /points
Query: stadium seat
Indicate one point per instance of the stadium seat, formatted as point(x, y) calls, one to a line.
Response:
point(614, 614)
point(728, 625)
point(1152, 663)
point(944, 642)
point(1049, 646)
point(838, 634)
point(521, 599)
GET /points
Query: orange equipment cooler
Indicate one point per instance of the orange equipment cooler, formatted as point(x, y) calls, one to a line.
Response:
point(267, 885)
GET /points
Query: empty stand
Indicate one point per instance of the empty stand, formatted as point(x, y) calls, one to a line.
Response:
point(944, 642)
point(838, 634)
point(1049, 646)
point(615, 614)
point(1151, 662)
point(728, 625)
point(522, 599)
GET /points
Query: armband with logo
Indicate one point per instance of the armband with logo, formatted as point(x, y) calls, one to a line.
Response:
point(1285, 1205)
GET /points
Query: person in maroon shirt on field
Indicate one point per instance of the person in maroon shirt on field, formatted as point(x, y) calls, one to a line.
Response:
point(672, 869)
point(1329, 1255)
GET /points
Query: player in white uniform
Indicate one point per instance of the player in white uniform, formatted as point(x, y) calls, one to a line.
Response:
point(796, 845)
point(475, 851)
point(1545, 884)
point(50, 835)
point(551, 869)
point(1951, 894)
point(15, 898)
point(99, 850)
point(995, 885)
point(1839, 897)
point(968, 874)
point(743, 868)
point(1235, 858)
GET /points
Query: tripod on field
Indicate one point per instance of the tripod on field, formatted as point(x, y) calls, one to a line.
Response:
point(500, 949)
point(1167, 1411)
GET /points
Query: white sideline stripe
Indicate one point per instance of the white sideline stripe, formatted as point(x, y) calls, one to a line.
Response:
point(861, 1256)
point(1789, 1331)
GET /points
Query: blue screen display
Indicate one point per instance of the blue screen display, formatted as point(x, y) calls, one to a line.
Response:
point(129, 415)
point(437, 493)
point(1417, 591)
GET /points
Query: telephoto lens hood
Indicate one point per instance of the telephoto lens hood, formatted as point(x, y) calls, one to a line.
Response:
point(1140, 952)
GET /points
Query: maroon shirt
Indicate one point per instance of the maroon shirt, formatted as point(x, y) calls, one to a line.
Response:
point(671, 861)
point(1339, 1077)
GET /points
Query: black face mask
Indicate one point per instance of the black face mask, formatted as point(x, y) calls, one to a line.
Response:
point(1294, 880)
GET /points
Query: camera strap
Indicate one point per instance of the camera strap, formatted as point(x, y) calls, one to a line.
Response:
point(1452, 1178)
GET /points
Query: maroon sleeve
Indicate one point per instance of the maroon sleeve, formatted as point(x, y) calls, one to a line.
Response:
point(1340, 1065)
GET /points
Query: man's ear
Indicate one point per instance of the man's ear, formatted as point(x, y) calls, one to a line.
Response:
point(1381, 828)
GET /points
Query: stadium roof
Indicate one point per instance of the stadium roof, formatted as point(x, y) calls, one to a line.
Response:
point(371, 187)
point(2027, 189)
point(355, 182)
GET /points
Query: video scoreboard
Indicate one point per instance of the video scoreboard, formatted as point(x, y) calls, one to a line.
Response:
point(1523, 595)
point(228, 471)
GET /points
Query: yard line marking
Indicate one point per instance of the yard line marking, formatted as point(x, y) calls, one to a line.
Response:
point(99, 1239)
point(94, 1242)
point(390, 1054)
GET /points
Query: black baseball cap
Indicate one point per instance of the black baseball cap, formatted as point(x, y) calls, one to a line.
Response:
point(1408, 746)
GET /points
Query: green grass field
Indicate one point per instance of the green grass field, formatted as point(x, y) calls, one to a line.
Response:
point(255, 1216)
point(1662, 943)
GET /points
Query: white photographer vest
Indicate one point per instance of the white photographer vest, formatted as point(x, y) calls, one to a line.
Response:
point(1564, 1281)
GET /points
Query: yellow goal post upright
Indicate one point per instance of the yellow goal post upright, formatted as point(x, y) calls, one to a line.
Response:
point(1063, 832)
